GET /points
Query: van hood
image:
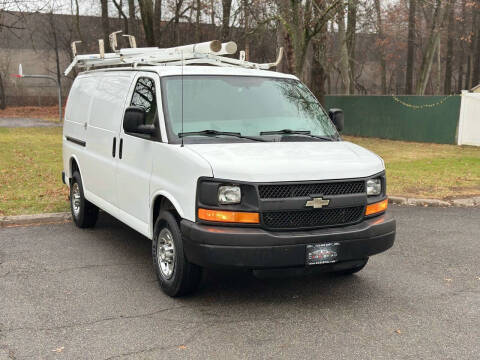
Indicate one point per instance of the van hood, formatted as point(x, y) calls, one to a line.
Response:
point(289, 161)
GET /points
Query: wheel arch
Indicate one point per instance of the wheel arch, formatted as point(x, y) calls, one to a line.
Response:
point(164, 201)
point(73, 164)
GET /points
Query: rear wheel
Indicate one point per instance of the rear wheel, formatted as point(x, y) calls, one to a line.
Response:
point(84, 213)
point(352, 270)
point(175, 274)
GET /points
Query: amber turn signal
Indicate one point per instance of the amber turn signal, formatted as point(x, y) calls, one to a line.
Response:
point(228, 216)
point(376, 207)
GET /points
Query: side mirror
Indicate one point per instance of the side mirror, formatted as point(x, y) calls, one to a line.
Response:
point(336, 115)
point(134, 121)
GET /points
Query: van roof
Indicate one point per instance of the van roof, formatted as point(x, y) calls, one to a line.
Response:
point(169, 70)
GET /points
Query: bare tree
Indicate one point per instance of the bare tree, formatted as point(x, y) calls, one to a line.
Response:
point(132, 27)
point(447, 86)
point(350, 41)
point(105, 23)
point(157, 20)
point(410, 47)
point(146, 12)
point(303, 21)
point(380, 44)
point(432, 45)
point(226, 10)
point(476, 45)
point(121, 14)
point(344, 60)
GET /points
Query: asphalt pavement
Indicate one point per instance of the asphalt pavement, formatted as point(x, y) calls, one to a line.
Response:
point(67, 293)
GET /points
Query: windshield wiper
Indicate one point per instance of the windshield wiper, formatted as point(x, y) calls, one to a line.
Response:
point(211, 132)
point(297, 132)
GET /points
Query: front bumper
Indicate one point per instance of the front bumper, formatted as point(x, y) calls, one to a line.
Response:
point(254, 248)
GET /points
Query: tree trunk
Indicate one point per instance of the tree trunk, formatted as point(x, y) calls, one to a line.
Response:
point(176, 21)
point(461, 60)
point(77, 20)
point(410, 47)
point(447, 86)
point(146, 12)
point(226, 9)
point(121, 15)
point(105, 24)
point(132, 26)
point(319, 75)
point(432, 44)
point(476, 48)
point(246, 27)
point(438, 88)
point(381, 39)
point(198, 34)
point(157, 21)
point(344, 68)
point(3, 97)
point(212, 18)
point(350, 41)
point(468, 76)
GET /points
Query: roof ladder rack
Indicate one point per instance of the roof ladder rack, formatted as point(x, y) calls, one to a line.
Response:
point(208, 53)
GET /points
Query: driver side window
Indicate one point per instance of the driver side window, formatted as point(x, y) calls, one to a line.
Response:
point(144, 96)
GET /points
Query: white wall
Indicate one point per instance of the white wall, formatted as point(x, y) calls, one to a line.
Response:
point(469, 123)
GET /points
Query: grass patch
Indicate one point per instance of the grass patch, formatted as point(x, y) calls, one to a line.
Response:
point(31, 166)
point(427, 170)
point(30, 171)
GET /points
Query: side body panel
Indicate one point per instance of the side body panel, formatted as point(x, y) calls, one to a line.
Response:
point(76, 118)
point(175, 171)
point(106, 113)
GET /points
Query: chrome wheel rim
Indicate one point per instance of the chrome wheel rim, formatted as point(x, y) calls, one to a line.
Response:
point(166, 253)
point(76, 199)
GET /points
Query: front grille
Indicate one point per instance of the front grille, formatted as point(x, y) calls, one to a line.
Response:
point(286, 191)
point(295, 219)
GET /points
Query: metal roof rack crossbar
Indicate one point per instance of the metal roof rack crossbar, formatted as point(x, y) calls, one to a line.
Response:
point(208, 53)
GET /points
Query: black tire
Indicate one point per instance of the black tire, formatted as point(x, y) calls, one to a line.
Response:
point(351, 270)
point(185, 276)
point(84, 213)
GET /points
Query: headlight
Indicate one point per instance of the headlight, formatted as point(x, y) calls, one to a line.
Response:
point(229, 195)
point(374, 186)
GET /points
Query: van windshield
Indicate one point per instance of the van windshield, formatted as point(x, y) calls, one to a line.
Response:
point(246, 105)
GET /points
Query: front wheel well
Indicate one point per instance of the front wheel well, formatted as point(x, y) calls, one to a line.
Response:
point(73, 167)
point(162, 203)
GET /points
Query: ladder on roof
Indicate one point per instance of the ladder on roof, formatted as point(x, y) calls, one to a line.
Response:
point(208, 53)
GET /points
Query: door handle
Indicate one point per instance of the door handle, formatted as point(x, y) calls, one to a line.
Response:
point(114, 148)
point(120, 149)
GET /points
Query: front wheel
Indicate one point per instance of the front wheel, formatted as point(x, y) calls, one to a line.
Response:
point(175, 274)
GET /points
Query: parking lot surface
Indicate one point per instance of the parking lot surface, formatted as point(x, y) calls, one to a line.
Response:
point(67, 293)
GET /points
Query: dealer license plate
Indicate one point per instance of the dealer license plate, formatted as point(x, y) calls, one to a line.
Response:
point(322, 253)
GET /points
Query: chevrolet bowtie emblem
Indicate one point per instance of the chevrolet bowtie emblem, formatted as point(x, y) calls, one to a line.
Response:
point(317, 203)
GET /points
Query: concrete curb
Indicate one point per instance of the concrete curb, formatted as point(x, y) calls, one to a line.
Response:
point(467, 202)
point(35, 219)
point(19, 220)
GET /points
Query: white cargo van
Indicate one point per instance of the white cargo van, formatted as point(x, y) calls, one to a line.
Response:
point(222, 167)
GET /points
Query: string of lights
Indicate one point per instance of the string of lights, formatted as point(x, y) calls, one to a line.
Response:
point(424, 106)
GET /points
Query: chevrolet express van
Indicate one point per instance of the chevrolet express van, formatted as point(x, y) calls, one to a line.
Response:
point(222, 167)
